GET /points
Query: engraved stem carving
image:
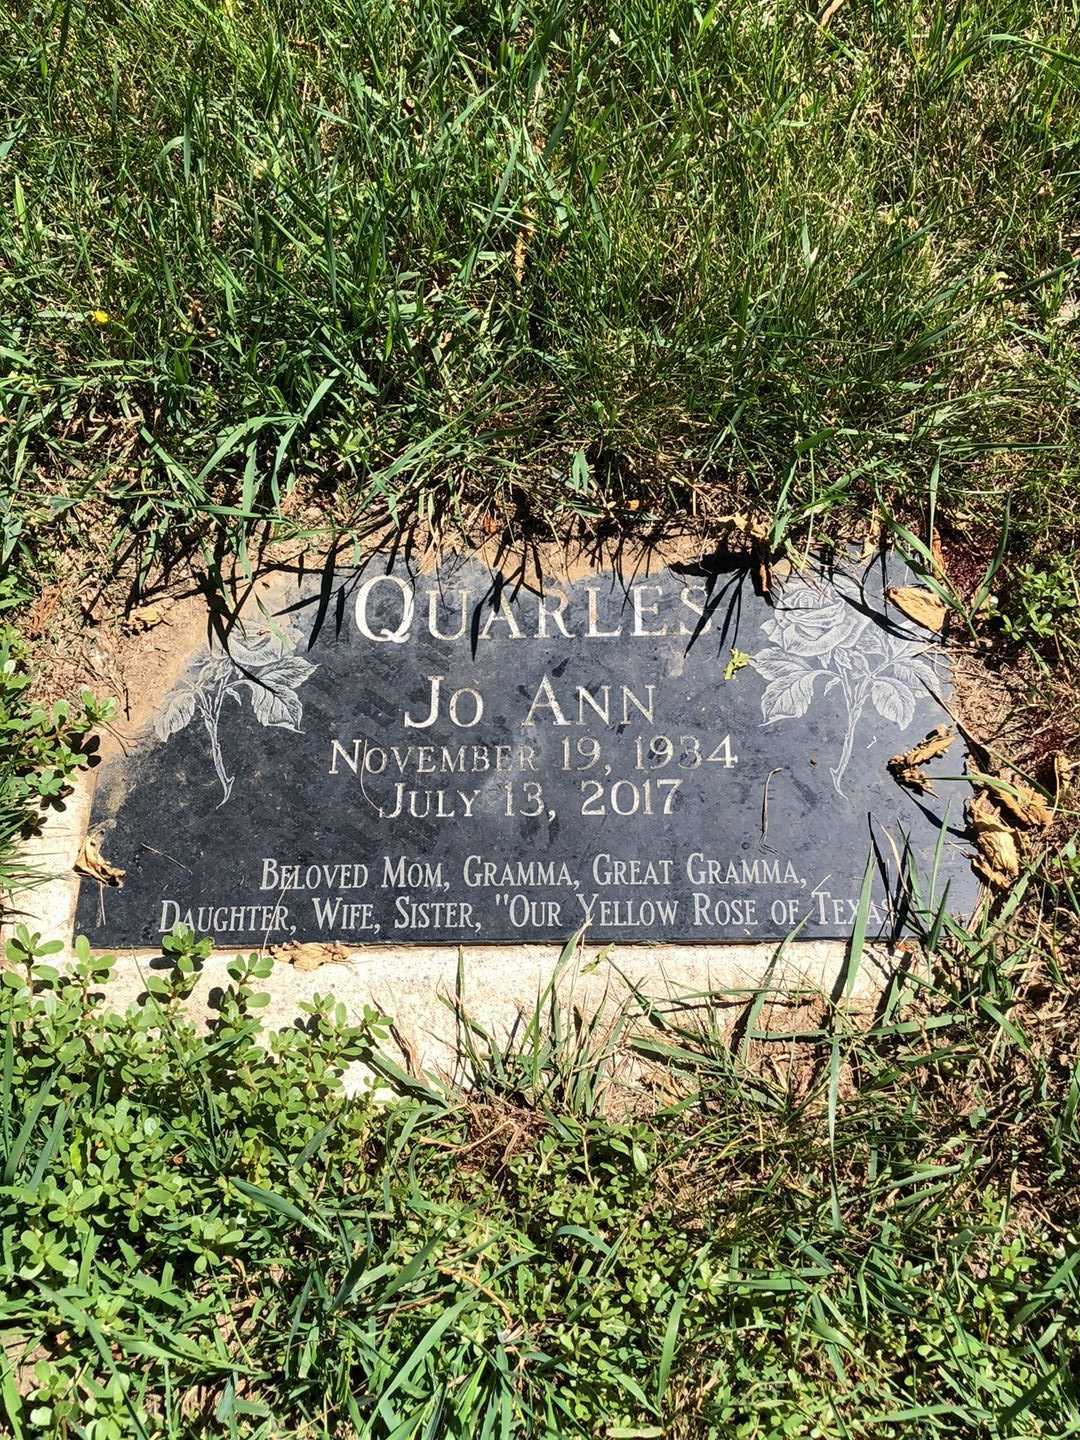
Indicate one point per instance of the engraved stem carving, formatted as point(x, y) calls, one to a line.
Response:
point(211, 714)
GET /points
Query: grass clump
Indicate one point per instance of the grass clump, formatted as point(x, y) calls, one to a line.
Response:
point(204, 1232)
point(360, 261)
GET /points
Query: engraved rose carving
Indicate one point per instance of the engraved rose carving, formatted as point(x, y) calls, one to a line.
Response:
point(818, 635)
point(810, 624)
point(260, 664)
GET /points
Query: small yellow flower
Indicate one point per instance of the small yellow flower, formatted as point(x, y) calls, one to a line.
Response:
point(99, 317)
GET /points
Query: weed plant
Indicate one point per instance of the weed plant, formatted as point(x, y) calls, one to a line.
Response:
point(202, 1232)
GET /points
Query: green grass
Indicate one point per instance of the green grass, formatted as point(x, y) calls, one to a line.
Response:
point(831, 1235)
point(621, 262)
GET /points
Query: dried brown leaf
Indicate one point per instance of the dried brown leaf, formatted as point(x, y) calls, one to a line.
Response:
point(907, 770)
point(144, 618)
point(521, 246)
point(928, 748)
point(94, 866)
point(307, 956)
point(871, 541)
point(1024, 807)
point(998, 858)
point(919, 604)
point(746, 527)
point(763, 579)
point(982, 810)
point(42, 611)
point(1063, 771)
point(911, 777)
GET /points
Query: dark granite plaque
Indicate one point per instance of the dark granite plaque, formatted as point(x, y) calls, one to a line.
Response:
point(394, 757)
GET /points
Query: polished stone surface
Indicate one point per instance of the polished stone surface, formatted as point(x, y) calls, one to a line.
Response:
point(453, 757)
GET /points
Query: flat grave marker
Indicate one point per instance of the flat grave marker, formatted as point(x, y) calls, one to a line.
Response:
point(385, 757)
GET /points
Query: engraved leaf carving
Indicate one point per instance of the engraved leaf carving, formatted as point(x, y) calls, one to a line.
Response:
point(175, 715)
point(893, 701)
point(250, 654)
point(273, 695)
point(288, 672)
point(779, 665)
point(872, 641)
point(788, 699)
point(276, 707)
point(915, 673)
